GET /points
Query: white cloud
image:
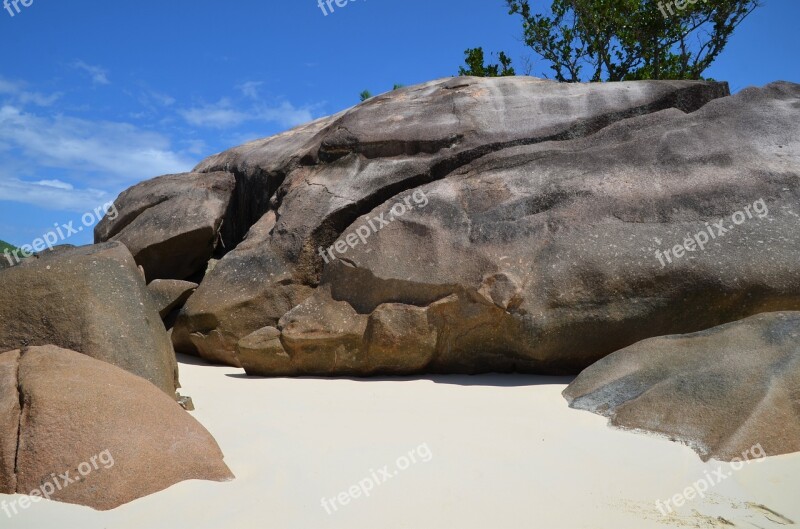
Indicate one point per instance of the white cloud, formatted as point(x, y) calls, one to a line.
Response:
point(51, 197)
point(220, 115)
point(99, 75)
point(38, 99)
point(152, 99)
point(250, 89)
point(62, 162)
point(58, 184)
point(162, 99)
point(153, 103)
point(197, 147)
point(224, 114)
point(111, 152)
point(16, 92)
point(285, 114)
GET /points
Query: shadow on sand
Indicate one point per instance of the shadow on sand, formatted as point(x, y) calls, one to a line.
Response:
point(490, 379)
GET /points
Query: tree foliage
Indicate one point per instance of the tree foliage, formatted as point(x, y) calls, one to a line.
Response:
point(5, 246)
point(366, 94)
point(619, 40)
point(476, 65)
point(4, 263)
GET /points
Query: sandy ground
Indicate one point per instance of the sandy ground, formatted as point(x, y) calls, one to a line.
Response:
point(490, 452)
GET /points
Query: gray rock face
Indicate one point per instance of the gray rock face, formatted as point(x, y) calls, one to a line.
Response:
point(506, 225)
point(722, 391)
point(92, 300)
point(170, 224)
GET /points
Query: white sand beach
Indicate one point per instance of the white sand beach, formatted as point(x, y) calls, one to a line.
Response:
point(501, 452)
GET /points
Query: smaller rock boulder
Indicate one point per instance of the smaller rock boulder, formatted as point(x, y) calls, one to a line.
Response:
point(324, 336)
point(170, 294)
point(399, 340)
point(721, 391)
point(262, 353)
point(114, 436)
point(90, 299)
point(171, 224)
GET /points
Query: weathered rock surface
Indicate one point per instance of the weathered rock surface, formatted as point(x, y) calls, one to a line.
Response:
point(513, 221)
point(171, 224)
point(118, 436)
point(399, 339)
point(9, 420)
point(722, 391)
point(170, 294)
point(263, 352)
point(395, 339)
point(92, 300)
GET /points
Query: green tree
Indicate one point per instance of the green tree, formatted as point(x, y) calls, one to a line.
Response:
point(366, 94)
point(5, 246)
point(620, 40)
point(476, 65)
point(4, 263)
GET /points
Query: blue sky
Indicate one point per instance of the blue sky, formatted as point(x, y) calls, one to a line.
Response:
point(96, 96)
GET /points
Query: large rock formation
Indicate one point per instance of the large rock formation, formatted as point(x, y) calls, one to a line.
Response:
point(722, 391)
point(170, 224)
point(471, 225)
point(92, 300)
point(77, 430)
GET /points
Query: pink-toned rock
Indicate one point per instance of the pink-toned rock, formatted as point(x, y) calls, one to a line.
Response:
point(9, 420)
point(112, 437)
